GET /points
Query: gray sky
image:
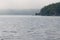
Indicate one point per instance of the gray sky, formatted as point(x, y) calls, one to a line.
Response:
point(25, 4)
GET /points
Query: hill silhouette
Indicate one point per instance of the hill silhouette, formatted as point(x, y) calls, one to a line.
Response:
point(50, 10)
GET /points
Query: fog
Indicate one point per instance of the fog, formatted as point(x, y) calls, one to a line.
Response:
point(25, 4)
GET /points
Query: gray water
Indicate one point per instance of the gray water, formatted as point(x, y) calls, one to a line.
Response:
point(29, 28)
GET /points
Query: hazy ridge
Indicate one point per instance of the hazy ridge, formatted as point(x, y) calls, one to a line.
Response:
point(19, 12)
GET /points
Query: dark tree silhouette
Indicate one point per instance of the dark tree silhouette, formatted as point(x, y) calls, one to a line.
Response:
point(50, 10)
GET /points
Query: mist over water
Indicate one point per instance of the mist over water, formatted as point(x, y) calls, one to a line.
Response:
point(19, 12)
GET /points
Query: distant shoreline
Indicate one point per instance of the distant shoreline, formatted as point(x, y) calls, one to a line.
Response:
point(28, 16)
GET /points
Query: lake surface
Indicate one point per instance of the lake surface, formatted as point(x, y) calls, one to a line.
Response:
point(29, 28)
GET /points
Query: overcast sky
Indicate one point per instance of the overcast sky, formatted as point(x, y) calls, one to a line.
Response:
point(25, 4)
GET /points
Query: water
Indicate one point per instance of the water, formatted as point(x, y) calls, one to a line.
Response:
point(29, 28)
